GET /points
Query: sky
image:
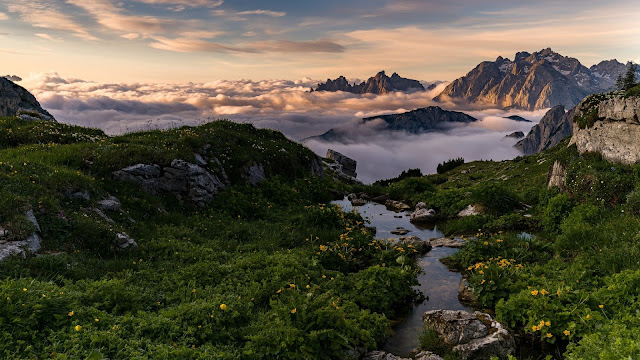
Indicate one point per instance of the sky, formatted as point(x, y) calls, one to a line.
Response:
point(177, 41)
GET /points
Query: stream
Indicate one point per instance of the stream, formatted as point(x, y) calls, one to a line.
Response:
point(436, 282)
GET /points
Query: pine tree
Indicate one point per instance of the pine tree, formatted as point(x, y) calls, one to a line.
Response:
point(630, 77)
point(620, 83)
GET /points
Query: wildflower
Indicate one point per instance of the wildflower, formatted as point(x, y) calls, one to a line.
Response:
point(71, 313)
point(534, 328)
point(548, 323)
point(308, 286)
point(534, 293)
point(486, 243)
point(78, 328)
point(279, 291)
point(559, 292)
point(96, 319)
point(544, 292)
point(588, 316)
point(292, 285)
point(294, 311)
point(223, 307)
point(566, 332)
point(601, 306)
point(483, 281)
point(323, 248)
point(549, 335)
point(24, 289)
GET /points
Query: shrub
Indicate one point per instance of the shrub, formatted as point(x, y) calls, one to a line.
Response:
point(404, 175)
point(495, 199)
point(556, 210)
point(449, 165)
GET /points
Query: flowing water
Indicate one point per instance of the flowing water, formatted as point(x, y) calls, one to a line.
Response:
point(436, 282)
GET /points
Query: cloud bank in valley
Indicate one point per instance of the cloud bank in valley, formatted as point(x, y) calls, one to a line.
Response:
point(286, 106)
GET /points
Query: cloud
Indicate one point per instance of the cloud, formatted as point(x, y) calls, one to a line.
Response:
point(48, 37)
point(44, 14)
point(4, 16)
point(313, 46)
point(189, 3)
point(263, 12)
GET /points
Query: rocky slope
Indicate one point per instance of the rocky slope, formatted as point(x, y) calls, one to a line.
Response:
point(432, 118)
point(379, 84)
point(553, 127)
point(532, 81)
point(17, 101)
point(609, 126)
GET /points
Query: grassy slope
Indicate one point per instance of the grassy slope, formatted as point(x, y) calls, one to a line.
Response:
point(576, 284)
point(262, 272)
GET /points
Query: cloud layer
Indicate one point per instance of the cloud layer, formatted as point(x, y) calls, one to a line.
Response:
point(286, 106)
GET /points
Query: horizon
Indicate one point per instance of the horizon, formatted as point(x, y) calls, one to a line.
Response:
point(178, 41)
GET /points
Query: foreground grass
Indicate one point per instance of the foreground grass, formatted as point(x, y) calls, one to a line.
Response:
point(263, 272)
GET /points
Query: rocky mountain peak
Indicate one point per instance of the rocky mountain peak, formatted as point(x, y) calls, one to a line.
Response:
point(17, 101)
point(532, 81)
point(378, 84)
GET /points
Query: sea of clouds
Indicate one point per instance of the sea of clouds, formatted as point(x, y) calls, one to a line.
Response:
point(287, 106)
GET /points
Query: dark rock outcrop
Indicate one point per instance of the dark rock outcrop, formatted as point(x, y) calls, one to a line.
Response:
point(532, 81)
point(557, 176)
point(472, 335)
point(420, 121)
point(379, 84)
point(516, 135)
point(517, 118)
point(17, 101)
point(185, 180)
point(342, 166)
point(553, 127)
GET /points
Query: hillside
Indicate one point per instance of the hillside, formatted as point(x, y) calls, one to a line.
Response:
point(532, 81)
point(163, 264)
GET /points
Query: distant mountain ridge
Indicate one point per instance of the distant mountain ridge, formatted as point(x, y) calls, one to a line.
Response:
point(378, 84)
point(533, 81)
point(17, 101)
point(418, 121)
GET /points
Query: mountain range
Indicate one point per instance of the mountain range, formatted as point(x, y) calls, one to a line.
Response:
point(532, 81)
point(17, 101)
point(378, 84)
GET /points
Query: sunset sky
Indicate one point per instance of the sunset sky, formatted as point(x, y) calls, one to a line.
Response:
point(177, 41)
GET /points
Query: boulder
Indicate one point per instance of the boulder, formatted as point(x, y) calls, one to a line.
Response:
point(125, 241)
point(80, 195)
point(396, 205)
point(446, 242)
point(109, 204)
point(400, 231)
point(472, 335)
point(417, 243)
point(557, 176)
point(422, 214)
point(32, 244)
point(380, 199)
point(346, 164)
point(466, 295)
point(358, 202)
point(469, 211)
point(254, 174)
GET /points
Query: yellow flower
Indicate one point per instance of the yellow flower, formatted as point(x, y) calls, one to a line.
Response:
point(549, 335)
point(279, 291)
point(588, 316)
point(308, 286)
point(601, 306)
point(96, 319)
point(78, 328)
point(544, 292)
point(486, 243)
point(24, 289)
point(534, 328)
point(483, 281)
point(559, 292)
point(223, 307)
point(566, 332)
point(71, 313)
point(323, 248)
point(480, 272)
point(548, 323)
point(292, 285)
point(324, 276)
point(534, 292)
point(294, 311)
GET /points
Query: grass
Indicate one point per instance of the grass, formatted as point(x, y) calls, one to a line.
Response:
point(262, 272)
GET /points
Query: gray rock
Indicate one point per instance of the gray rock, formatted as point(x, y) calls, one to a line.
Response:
point(346, 164)
point(396, 205)
point(422, 214)
point(254, 174)
point(125, 241)
point(616, 135)
point(557, 176)
point(469, 211)
point(380, 199)
point(417, 243)
point(183, 179)
point(3, 232)
point(466, 295)
point(400, 231)
point(381, 355)
point(472, 335)
point(316, 167)
point(103, 215)
point(200, 160)
point(109, 204)
point(516, 135)
point(34, 241)
point(379, 84)
point(13, 248)
point(358, 202)
point(446, 242)
point(17, 101)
